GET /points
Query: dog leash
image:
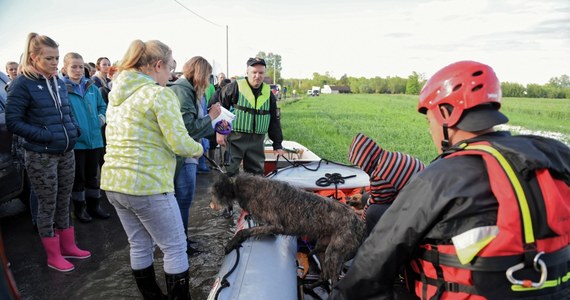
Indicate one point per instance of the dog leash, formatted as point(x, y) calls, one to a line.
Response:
point(215, 164)
point(224, 283)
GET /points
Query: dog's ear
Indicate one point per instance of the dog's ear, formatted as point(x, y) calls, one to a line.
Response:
point(223, 186)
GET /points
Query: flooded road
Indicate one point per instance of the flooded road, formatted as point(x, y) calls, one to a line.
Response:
point(107, 274)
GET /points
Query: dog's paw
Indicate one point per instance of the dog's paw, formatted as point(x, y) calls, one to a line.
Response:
point(230, 247)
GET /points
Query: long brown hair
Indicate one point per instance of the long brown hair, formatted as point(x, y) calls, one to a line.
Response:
point(141, 55)
point(197, 70)
point(99, 60)
point(34, 45)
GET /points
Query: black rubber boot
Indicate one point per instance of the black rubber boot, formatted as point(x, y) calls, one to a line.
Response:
point(191, 251)
point(178, 286)
point(95, 210)
point(146, 282)
point(80, 212)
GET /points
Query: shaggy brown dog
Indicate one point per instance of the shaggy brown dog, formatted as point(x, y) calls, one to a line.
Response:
point(286, 210)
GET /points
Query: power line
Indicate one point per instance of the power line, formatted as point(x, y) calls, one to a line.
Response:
point(197, 15)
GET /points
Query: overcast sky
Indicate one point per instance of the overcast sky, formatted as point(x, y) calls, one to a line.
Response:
point(526, 41)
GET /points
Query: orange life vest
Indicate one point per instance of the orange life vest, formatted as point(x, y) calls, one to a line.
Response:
point(529, 254)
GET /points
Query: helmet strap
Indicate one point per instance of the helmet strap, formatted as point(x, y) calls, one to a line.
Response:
point(445, 142)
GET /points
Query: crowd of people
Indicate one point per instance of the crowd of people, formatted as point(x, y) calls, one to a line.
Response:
point(134, 130)
point(137, 133)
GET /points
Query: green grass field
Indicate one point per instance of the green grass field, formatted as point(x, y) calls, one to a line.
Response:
point(327, 124)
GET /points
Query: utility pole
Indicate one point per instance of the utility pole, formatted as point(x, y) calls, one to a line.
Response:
point(227, 54)
point(215, 24)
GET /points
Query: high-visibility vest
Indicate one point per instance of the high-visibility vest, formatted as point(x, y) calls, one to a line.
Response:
point(252, 114)
point(527, 253)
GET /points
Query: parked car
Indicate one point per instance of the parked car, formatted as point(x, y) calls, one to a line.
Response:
point(313, 92)
point(11, 168)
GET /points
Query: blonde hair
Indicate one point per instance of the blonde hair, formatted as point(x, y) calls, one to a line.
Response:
point(197, 70)
point(10, 63)
point(35, 44)
point(68, 57)
point(142, 55)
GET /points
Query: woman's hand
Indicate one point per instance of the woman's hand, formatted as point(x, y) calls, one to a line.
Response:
point(214, 111)
point(220, 139)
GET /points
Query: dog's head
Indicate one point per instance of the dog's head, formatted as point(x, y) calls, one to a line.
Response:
point(222, 191)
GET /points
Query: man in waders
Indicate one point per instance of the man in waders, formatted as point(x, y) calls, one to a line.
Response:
point(256, 112)
point(488, 219)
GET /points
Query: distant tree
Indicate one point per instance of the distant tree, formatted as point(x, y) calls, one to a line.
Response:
point(396, 85)
point(343, 80)
point(273, 62)
point(379, 85)
point(510, 89)
point(557, 87)
point(354, 84)
point(534, 90)
point(560, 82)
point(320, 80)
point(413, 84)
point(366, 87)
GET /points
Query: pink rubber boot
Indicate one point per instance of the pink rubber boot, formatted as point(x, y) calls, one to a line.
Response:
point(67, 243)
point(53, 252)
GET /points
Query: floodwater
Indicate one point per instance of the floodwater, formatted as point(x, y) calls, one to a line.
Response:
point(107, 274)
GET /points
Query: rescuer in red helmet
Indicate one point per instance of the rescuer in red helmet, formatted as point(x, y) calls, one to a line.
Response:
point(488, 219)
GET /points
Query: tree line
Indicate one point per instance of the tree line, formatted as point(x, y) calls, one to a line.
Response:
point(557, 87)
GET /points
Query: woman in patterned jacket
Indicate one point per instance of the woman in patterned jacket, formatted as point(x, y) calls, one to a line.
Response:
point(145, 132)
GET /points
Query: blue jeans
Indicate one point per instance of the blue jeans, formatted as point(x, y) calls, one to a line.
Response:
point(150, 219)
point(184, 188)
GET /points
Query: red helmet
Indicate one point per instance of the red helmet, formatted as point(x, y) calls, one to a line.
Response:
point(463, 85)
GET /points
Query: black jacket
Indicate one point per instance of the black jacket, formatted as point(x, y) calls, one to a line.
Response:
point(228, 96)
point(45, 124)
point(449, 197)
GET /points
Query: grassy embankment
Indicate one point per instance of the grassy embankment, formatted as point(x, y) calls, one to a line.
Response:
point(327, 124)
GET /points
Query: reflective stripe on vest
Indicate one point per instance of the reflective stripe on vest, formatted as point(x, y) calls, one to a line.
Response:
point(252, 115)
point(438, 271)
point(519, 192)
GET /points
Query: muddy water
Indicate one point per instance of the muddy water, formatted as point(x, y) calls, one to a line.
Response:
point(107, 273)
point(212, 232)
point(565, 138)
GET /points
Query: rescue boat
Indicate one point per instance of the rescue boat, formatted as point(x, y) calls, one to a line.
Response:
point(279, 267)
point(294, 153)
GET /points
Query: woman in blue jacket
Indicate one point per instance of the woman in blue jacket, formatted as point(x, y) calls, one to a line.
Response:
point(38, 110)
point(88, 109)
